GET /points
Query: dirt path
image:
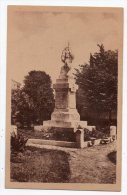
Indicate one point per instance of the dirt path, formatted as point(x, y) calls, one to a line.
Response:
point(91, 165)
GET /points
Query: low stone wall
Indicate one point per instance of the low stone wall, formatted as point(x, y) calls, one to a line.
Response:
point(76, 142)
point(51, 142)
point(83, 144)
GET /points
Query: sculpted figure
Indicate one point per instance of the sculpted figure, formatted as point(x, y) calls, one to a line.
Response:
point(66, 58)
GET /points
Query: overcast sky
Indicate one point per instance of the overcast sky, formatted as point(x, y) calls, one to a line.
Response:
point(36, 37)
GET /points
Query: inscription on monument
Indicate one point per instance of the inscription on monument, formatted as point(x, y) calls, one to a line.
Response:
point(61, 100)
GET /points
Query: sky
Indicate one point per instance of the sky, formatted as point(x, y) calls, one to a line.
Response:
point(37, 36)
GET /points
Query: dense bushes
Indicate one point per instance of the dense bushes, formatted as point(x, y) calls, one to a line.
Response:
point(112, 156)
point(94, 133)
point(18, 143)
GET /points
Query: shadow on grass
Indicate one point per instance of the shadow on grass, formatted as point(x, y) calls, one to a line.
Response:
point(40, 165)
point(112, 156)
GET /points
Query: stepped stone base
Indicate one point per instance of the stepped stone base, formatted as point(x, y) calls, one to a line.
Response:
point(66, 124)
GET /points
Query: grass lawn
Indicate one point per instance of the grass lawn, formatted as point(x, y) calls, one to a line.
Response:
point(90, 165)
point(37, 165)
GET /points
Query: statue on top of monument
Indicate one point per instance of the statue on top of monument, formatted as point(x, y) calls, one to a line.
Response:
point(66, 58)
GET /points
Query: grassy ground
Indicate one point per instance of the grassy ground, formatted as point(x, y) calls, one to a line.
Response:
point(92, 165)
point(89, 165)
point(38, 165)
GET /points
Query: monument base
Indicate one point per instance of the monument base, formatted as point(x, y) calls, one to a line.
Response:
point(65, 115)
point(65, 124)
point(65, 118)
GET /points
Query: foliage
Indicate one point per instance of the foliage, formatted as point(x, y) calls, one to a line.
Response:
point(18, 143)
point(22, 107)
point(94, 134)
point(58, 134)
point(98, 134)
point(87, 135)
point(38, 87)
point(35, 101)
point(97, 82)
point(113, 156)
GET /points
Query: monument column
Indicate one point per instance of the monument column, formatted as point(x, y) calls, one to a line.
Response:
point(65, 114)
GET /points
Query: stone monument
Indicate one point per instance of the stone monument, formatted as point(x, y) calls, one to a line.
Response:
point(65, 114)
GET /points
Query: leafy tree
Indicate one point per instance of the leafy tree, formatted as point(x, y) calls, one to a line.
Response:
point(21, 107)
point(97, 82)
point(37, 85)
point(35, 101)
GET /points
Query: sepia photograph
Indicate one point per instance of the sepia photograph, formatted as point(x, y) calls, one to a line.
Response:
point(64, 97)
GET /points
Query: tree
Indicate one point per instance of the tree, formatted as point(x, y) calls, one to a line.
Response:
point(22, 107)
point(37, 85)
point(35, 101)
point(97, 82)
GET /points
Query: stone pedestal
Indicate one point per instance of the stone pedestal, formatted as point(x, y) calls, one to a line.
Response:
point(65, 114)
point(80, 138)
point(113, 132)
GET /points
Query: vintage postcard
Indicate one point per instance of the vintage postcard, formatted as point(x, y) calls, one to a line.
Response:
point(64, 97)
